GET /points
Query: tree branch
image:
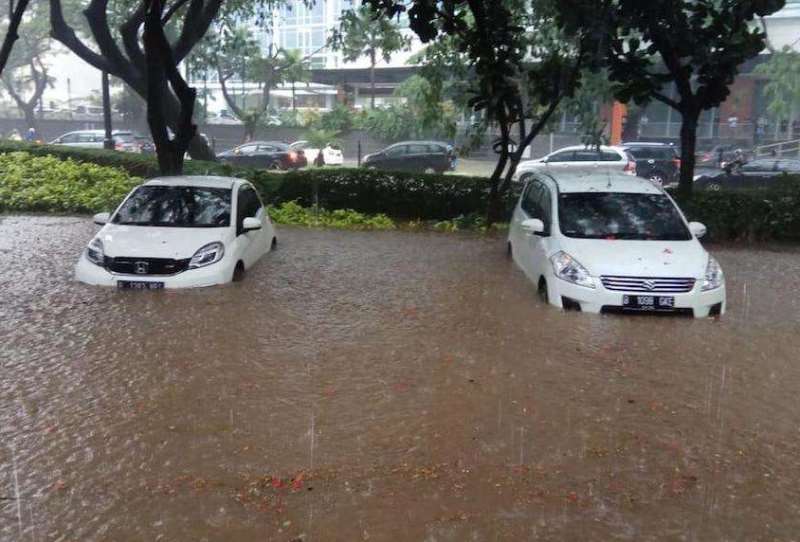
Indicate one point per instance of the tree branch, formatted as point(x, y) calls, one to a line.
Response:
point(198, 18)
point(15, 18)
point(172, 10)
point(129, 31)
point(61, 31)
point(663, 98)
point(97, 16)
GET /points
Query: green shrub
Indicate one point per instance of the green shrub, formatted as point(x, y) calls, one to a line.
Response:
point(290, 213)
point(45, 183)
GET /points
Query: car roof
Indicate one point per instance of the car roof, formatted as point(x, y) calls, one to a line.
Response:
point(587, 148)
point(645, 144)
point(602, 182)
point(420, 142)
point(200, 181)
point(264, 143)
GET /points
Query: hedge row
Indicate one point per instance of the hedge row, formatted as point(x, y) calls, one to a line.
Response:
point(64, 179)
point(400, 195)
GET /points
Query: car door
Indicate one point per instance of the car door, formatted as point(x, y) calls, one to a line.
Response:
point(531, 251)
point(244, 155)
point(559, 161)
point(250, 245)
point(517, 236)
point(755, 173)
point(395, 158)
point(539, 245)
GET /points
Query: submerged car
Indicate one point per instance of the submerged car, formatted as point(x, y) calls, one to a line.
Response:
point(613, 243)
point(179, 232)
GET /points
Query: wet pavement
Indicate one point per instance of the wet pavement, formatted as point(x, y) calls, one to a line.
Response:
point(388, 386)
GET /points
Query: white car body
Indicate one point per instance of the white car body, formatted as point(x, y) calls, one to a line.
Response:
point(611, 270)
point(579, 159)
point(331, 155)
point(145, 256)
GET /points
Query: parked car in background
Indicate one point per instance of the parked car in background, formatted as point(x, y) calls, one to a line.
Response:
point(331, 154)
point(658, 162)
point(124, 140)
point(266, 155)
point(413, 156)
point(760, 173)
point(579, 158)
point(606, 242)
point(179, 232)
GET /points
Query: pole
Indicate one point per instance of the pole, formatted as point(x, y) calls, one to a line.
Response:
point(359, 152)
point(69, 96)
point(108, 142)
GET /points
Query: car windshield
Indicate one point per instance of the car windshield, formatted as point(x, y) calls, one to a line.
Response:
point(609, 215)
point(176, 206)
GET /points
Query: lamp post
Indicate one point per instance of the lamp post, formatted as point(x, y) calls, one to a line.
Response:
point(108, 142)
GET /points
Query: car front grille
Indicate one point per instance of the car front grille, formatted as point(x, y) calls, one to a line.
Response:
point(648, 284)
point(146, 266)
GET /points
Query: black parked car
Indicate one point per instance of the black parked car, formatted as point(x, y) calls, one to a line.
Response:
point(658, 162)
point(413, 156)
point(264, 154)
point(759, 173)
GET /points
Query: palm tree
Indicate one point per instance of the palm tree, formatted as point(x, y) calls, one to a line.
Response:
point(363, 32)
point(295, 69)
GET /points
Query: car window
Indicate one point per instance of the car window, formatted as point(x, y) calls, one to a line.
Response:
point(609, 215)
point(397, 150)
point(247, 205)
point(69, 138)
point(789, 165)
point(759, 165)
point(545, 205)
point(176, 206)
point(85, 138)
point(610, 156)
point(246, 149)
point(267, 148)
point(563, 156)
point(588, 155)
point(420, 149)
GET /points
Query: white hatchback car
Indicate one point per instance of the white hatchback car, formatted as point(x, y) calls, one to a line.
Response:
point(579, 159)
point(613, 243)
point(179, 232)
point(331, 154)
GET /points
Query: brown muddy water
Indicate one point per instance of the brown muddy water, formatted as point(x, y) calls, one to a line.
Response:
point(388, 386)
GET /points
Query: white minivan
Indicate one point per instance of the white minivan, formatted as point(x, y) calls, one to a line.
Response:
point(601, 242)
point(579, 158)
point(179, 232)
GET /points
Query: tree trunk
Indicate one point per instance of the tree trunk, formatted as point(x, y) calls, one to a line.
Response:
point(29, 112)
point(372, 63)
point(631, 129)
point(294, 107)
point(690, 117)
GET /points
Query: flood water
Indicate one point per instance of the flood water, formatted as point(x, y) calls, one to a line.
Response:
point(388, 386)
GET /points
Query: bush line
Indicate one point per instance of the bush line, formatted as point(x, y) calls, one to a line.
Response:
point(63, 179)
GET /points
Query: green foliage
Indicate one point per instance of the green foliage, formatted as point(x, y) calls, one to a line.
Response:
point(291, 213)
point(339, 119)
point(79, 180)
point(45, 183)
point(782, 88)
point(365, 32)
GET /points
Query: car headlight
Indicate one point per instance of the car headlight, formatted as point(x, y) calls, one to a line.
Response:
point(208, 254)
point(714, 277)
point(567, 268)
point(95, 252)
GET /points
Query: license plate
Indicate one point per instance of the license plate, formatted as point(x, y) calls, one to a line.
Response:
point(139, 285)
point(648, 302)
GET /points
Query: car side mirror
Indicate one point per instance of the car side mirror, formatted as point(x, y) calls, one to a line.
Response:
point(698, 229)
point(101, 219)
point(251, 223)
point(532, 226)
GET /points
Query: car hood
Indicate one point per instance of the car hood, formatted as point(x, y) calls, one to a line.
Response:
point(682, 259)
point(155, 242)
